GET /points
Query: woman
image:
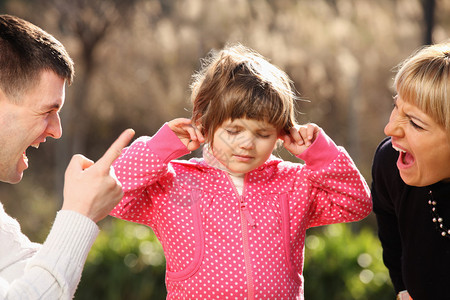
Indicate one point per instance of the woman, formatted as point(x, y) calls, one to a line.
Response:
point(411, 178)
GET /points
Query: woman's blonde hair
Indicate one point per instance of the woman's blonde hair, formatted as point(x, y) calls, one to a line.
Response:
point(237, 82)
point(424, 80)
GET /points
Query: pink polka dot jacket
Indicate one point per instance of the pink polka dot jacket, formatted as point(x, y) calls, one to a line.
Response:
point(222, 245)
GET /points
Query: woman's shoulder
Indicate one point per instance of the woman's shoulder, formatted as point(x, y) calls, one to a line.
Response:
point(385, 156)
point(385, 148)
point(385, 174)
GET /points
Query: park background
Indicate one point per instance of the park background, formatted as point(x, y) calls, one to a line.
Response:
point(134, 60)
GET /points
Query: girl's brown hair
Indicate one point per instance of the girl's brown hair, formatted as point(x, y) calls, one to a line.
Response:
point(237, 82)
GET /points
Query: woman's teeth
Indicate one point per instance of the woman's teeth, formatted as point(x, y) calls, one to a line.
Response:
point(398, 149)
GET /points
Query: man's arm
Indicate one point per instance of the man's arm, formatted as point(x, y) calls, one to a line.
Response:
point(91, 190)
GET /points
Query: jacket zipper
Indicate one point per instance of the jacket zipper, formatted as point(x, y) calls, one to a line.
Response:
point(246, 219)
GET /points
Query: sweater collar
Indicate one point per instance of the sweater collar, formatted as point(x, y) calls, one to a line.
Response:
point(212, 162)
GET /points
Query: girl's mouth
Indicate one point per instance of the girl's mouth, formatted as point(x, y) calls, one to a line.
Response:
point(243, 158)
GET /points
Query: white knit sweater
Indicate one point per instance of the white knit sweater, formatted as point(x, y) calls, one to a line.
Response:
point(48, 271)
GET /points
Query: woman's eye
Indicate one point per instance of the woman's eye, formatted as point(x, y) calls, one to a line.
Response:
point(264, 136)
point(394, 102)
point(415, 125)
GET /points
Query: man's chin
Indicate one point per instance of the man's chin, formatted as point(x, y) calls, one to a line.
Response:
point(12, 179)
point(16, 181)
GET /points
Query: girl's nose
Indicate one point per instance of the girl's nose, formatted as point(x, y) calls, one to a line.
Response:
point(247, 142)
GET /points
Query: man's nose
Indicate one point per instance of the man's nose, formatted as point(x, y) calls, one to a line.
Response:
point(54, 128)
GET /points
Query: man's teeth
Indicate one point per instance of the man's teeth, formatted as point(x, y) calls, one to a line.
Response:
point(35, 145)
point(398, 149)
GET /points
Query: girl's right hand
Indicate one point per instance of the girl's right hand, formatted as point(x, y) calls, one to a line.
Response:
point(188, 134)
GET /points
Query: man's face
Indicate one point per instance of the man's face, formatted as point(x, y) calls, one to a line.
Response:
point(29, 123)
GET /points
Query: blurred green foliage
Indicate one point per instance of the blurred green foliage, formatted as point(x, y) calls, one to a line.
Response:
point(127, 262)
point(341, 265)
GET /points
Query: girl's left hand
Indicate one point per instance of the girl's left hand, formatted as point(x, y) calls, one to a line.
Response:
point(300, 137)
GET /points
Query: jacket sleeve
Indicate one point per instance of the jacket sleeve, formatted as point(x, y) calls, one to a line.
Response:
point(383, 169)
point(54, 271)
point(336, 190)
point(141, 167)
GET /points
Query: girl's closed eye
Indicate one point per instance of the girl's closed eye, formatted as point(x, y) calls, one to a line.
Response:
point(232, 131)
point(264, 135)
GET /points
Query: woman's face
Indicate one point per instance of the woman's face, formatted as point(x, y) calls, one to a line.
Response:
point(423, 145)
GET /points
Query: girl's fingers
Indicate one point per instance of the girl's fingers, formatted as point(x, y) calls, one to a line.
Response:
point(286, 140)
point(303, 130)
point(312, 130)
point(195, 134)
point(295, 135)
point(191, 132)
point(189, 135)
point(308, 133)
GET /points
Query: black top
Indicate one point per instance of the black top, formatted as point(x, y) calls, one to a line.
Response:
point(414, 251)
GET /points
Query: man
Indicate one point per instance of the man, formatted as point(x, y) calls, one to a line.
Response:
point(34, 68)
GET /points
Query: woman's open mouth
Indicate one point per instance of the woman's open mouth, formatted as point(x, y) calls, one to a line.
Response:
point(405, 159)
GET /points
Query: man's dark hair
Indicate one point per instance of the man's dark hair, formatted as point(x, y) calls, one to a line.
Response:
point(25, 51)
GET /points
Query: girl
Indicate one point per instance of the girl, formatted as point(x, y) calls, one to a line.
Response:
point(232, 224)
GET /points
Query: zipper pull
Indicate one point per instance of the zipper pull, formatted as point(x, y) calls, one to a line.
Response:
point(247, 215)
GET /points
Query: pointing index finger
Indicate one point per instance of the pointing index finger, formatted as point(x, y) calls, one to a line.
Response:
point(115, 149)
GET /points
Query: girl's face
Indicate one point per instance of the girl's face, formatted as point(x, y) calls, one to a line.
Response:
point(423, 144)
point(243, 145)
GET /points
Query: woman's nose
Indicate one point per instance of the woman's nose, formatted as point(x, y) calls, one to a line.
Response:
point(393, 128)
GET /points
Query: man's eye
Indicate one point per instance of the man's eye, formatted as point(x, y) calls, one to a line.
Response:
point(51, 112)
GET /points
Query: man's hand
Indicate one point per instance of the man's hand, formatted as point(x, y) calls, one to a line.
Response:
point(92, 189)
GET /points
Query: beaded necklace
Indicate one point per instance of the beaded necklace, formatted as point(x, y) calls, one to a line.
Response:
point(437, 220)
